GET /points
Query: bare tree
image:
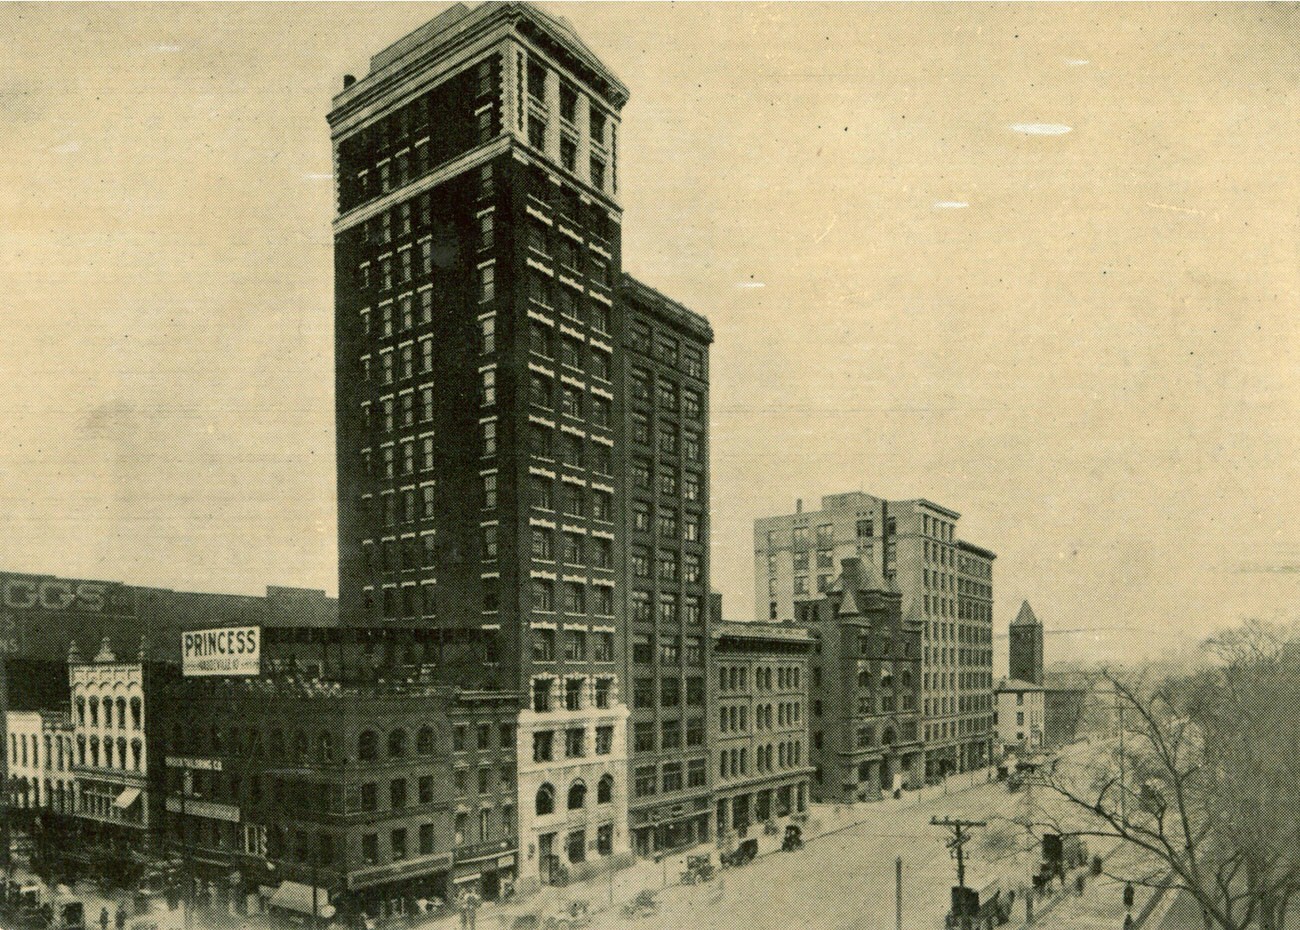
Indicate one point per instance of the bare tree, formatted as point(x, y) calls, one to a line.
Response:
point(1200, 774)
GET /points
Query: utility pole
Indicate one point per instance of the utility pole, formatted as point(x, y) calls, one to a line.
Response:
point(960, 836)
point(898, 893)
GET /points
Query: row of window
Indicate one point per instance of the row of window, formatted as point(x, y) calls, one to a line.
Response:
point(650, 780)
point(673, 566)
point(666, 349)
point(575, 354)
point(734, 763)
point(110, 759)
point(578, 692)
point(574, 499)
point(399, 147)
point(57, 756)
point(669, 610)
point(735, 718)
point(669, 692)
point(578, 599)
point(88, 710)
point(668, 734)
point(947, 655)
point(964, 703)
point(670, 529)
point(671, 650)
point(957, 632)
point(298, 747)
point(963, 727)
point(573, 450)
point(672, 440)
point(545, 744)
point(576, 548)
point(539, 116)
point(642, 479)
point(666, 395)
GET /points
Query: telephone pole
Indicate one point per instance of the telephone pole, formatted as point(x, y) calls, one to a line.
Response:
point(960, 836)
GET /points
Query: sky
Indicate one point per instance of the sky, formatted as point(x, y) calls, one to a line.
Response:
point(1037, 263)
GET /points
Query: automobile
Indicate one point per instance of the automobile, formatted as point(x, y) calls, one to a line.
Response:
point(793, 838)
point(742, 854)
point(698, 869)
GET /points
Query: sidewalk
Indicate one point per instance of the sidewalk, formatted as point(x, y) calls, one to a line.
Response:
point(1101, 906)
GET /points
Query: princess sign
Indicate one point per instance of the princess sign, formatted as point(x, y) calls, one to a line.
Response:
point(225, 651)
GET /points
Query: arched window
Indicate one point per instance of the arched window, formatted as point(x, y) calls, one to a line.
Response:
point(135, 713)
point(108, 751)
point(299, 747)
point(905, 678)
point(545, 800)
point(577, 795)
point(121, 713)
point(605, 789)
point(367, 746)
point(94, 712)
point(81, 711)
point(888, 736)
point(424, 741)
point(864, 679)
point(325, 746)
point(121, 751)
point(135, 754)
point(81, 750)
point(397, 743)
point(94, 751)
point(108, 713)
point(277, 744)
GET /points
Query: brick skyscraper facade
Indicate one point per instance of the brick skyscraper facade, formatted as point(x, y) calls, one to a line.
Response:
point(483, 370)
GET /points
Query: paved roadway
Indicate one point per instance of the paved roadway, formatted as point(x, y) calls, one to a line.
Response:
point(846, 879)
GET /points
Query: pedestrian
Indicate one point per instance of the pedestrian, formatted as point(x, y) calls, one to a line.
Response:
point(1128, 895)
point(1128, 922)
point(103, 919)
point(120, 920)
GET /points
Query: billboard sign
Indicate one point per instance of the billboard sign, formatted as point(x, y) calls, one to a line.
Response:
point(224, 651)
point(46, 594)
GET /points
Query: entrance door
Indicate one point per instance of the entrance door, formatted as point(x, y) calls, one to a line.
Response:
point(546, 855)
point(491, 886)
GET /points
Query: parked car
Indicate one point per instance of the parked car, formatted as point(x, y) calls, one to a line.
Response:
point(793, 838)
point(745, 851)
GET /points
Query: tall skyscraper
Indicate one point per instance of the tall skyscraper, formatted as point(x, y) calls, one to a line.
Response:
point(1026, 646)
point(477, 331)
point(946, 586)
point(487, 373)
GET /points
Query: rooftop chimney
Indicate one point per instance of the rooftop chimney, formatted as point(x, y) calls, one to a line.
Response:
point(798, 505)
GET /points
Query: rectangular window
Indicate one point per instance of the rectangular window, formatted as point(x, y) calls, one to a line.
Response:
point(672, 777)
point(489, 387)
point(670, 692)
point(645, 780)
point(487, 283)
point(575, 743)
point(575, 645)
point(603, 649)
point(544, 599)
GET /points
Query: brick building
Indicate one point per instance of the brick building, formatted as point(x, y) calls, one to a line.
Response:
point(762, 763)
point(945, 584)
point(865, 687)
point(666, 525)
point(378, 795)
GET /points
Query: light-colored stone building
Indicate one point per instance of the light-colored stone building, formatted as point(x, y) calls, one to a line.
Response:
point(1021, 715)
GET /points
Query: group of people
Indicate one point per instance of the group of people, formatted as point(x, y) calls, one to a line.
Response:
point(119, 921)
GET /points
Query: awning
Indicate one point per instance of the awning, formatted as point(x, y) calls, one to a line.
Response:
point(127, 798)
point(294, 896)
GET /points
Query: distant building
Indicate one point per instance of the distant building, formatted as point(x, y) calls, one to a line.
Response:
point(865, 688)
point(946, 584)
point(1026, 646)
point(1021, 716)
point(40, 761)
point(763, 765)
